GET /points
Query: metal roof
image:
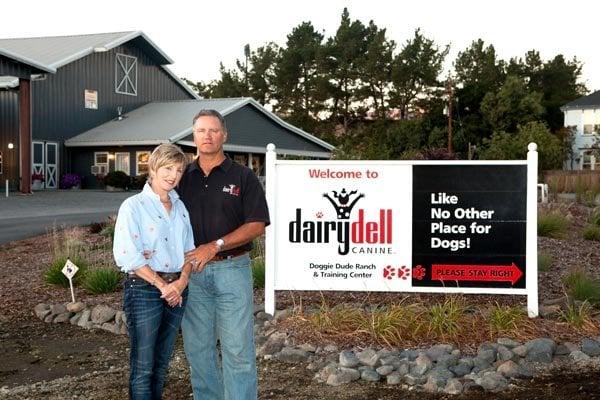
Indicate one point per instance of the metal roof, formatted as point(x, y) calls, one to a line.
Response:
point(589, 101)
point(163, 122)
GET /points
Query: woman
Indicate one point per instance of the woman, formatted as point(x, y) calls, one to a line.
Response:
point(152, 233)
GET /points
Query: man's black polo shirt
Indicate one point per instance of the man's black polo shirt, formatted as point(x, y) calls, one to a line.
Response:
point(221, 202)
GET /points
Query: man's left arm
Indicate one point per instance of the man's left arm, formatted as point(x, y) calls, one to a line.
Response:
point(240, 236)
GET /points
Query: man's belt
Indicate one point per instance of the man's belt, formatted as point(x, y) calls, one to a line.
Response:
point(230, 254)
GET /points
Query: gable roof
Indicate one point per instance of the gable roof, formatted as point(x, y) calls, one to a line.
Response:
point(170, 122)
point(589, 101)
point(52, 52)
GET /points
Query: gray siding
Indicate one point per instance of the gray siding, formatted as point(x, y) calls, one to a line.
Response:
point(250, 127)
point(10, 67)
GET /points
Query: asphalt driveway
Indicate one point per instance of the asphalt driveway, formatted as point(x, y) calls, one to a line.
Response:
point(23, 216)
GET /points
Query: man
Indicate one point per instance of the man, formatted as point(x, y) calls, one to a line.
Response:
point(228, 210)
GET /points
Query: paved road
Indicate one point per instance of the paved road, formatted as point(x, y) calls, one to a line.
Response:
point(25, 216)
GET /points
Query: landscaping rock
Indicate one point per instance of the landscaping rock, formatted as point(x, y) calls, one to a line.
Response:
point(579, 356)
point(368, 357)
point(385, 370)
point(85, 317)
point(309, 348)
point(509, 369)
point(590, 347)
point(343, 376)
point(492, 381)
point(422, 365)
point(273, 345)
point(540, 350)
point(64, 317)
point(435, 352)
point(412, 379)
point(101, 314)
point(504, 354)
point(453, 386)
point(508, 343)
point(348, 359)
point(75, 318)
point(292, 356)
point(521, 350)
point(42, 310)
point(369, 375)
point(58, 309)
point(447, 360)
point(393, 379)
point(462, 368)
point(75, 307)
point(330, 348)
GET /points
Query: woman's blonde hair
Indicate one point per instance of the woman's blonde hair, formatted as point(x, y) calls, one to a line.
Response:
point(164, 155)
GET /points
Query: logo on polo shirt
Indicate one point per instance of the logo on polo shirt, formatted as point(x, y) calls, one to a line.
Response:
point(232, 190)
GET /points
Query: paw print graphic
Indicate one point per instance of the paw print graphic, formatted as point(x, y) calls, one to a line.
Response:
point(418, 272)
point(389, 272)
point(319, 214)
point(403, 272)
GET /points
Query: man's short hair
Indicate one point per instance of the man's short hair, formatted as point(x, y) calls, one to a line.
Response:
point(211, 113)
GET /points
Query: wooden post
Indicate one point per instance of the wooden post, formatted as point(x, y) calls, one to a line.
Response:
point(25, 135)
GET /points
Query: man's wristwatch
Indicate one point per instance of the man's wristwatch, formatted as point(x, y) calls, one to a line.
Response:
point(220, 243)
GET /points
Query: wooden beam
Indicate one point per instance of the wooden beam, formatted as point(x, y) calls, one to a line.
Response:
point(25, 135)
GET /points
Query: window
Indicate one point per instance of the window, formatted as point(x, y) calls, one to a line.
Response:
point(101, 163)
point(1, 164)
point(588, 160)
point(126, 75)
point(588, 129)
point(122, 162)
point(141, 162)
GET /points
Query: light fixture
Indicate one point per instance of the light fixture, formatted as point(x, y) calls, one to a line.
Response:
point(11, 146)
point(100, 49)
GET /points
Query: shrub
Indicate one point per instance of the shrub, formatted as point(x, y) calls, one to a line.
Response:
point(338, 319)
point(54, 276)
point(118, 179)
point(70, 180)
point(390, 326)
point(138, 182)
point(108, 231)
point(544, 261)
point(505, 319)
point(102, 280)
point(592, 232)
point(581, 286)
point(96, 227)
point(258, 272)
point(552, 225)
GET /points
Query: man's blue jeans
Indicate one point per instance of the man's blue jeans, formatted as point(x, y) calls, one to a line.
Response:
point(153, 326)
point(220, 307)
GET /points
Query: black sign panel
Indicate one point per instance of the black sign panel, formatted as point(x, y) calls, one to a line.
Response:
point(469, 226)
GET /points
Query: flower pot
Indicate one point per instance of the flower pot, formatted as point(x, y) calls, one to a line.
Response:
point(37, 185)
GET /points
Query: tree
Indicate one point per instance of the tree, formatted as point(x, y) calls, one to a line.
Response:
point(261, 75)
point(376, 69)
point(511, 105)
point(231, 84)
point(298, 77)
point(506, 146)
point(415, 71)
point(344, 56)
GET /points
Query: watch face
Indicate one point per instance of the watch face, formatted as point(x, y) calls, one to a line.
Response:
point(220, 242)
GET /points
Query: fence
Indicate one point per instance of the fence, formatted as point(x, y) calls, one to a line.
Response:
point(572, 181)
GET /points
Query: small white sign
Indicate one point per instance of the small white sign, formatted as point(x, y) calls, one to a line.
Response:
point(70, 269)
point(91, 99)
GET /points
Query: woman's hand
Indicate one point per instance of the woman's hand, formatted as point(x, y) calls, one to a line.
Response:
point(172, 292)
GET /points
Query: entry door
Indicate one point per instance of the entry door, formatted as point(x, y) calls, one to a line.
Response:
point(122, 162)
point(38, 159)
point(51, 165)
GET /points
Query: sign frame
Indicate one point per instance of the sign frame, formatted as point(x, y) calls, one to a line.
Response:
point(531, 278)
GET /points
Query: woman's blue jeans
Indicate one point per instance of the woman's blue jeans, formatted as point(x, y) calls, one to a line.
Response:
point(153, 326)
point(220, 307)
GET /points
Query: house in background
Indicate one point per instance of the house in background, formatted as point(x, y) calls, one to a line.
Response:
point(583, 117)
point(101, 102)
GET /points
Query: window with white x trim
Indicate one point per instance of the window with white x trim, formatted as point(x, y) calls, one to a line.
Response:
point(126, 75)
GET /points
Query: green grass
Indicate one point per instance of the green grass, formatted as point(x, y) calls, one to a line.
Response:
point(54, 276)
point(552, 225)
point(444, 318)
point(505, 319)
point(595, 218)
point(544, 261)
point(580, 286)
point(102, 280)
point(258, 272)
point(592, 232)
point(577, 316)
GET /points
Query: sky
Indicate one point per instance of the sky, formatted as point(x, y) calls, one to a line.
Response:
point(198, 35)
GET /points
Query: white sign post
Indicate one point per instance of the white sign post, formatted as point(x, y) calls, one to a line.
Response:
point(402, 226)
point(69, 270)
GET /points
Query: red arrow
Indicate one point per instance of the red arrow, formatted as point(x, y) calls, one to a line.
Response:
point(482, 273)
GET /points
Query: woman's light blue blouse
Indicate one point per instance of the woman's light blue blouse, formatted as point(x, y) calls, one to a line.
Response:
point(146, 234)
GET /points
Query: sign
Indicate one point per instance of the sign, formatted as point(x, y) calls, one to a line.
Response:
point(69, 270)
point(400, 226)
point(91, 99)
